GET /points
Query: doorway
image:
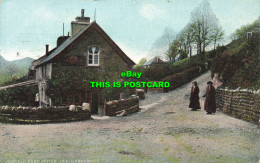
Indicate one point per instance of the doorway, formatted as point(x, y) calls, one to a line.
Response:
point(94, 106)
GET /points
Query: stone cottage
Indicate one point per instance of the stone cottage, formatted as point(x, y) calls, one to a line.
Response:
point(88, 49)
point(155, 62)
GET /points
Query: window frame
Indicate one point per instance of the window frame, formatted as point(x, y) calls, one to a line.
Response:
point(93, 57)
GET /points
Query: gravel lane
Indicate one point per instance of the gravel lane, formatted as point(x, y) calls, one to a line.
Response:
point(165, 130)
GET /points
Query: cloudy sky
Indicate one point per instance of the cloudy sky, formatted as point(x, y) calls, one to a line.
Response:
point(27, 25)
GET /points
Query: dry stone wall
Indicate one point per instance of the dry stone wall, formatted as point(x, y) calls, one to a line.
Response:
point(242, 104)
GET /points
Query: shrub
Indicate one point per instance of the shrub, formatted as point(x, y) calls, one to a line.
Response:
point(23, 95)
point(155, 73)
point(213, 53)
point(15, 79)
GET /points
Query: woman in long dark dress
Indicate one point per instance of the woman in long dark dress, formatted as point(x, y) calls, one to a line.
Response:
point(194, 97)
point(210, 103)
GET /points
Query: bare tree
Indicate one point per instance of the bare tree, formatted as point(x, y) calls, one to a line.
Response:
point(196, 25)
point(161, 46)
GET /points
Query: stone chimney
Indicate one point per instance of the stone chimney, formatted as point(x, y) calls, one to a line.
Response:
point(80, 23)
point(61, 39)
point(47, 48)
point(249, 35)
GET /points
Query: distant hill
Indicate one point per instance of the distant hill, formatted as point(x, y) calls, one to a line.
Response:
point(17, 68)
point(22, 63)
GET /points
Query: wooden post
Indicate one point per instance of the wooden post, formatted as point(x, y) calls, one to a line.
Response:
point(121, 95)
point(105, 102)
point(145, 88)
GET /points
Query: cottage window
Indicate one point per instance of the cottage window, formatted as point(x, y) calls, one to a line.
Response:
point(93, 56)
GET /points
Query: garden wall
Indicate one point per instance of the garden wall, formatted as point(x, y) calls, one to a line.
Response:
point(242, 104)
point(130, 105)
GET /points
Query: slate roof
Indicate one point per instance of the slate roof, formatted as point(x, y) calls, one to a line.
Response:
point(154, 60)
point(66, 43)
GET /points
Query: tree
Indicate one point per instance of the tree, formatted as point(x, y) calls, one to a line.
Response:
point(161, 46)
point(187, 36)
point(173, 51)
point(204, 23)
point(181, 45)
point(141, 62)
point(196, 27)
point(217, 35)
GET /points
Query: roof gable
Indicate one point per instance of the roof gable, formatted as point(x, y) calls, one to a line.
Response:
point(70, 40)
point(38, 61)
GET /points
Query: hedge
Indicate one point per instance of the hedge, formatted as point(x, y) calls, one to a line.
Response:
point(179, 79)
point(22, 95)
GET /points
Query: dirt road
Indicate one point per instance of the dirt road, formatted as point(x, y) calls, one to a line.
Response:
point(165, 130)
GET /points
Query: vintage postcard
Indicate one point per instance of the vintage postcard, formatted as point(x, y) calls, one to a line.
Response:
point(93, 81)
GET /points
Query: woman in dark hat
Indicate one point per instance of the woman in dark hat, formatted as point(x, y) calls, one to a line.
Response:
point(210, 103)
point(194, 97)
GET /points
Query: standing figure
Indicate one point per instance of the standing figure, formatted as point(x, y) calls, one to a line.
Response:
point(216, 81)
point(210, 103)
point(194, 97)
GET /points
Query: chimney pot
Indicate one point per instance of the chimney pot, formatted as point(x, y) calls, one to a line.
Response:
point(47, 48)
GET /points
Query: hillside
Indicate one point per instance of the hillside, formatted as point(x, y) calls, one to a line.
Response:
point(17, 68)
point(238, 65)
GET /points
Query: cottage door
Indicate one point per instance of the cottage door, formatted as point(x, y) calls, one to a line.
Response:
point(94, 106)
point(73, 99)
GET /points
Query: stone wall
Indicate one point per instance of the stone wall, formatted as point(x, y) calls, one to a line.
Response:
point(26, 115)
point(130, 105)
point(242, 104)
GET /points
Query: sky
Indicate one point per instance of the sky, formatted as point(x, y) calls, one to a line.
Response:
point(26, 26)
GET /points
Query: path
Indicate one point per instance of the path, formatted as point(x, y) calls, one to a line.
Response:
point(165, 130)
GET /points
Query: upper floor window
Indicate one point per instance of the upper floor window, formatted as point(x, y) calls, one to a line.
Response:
point(93, 56)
